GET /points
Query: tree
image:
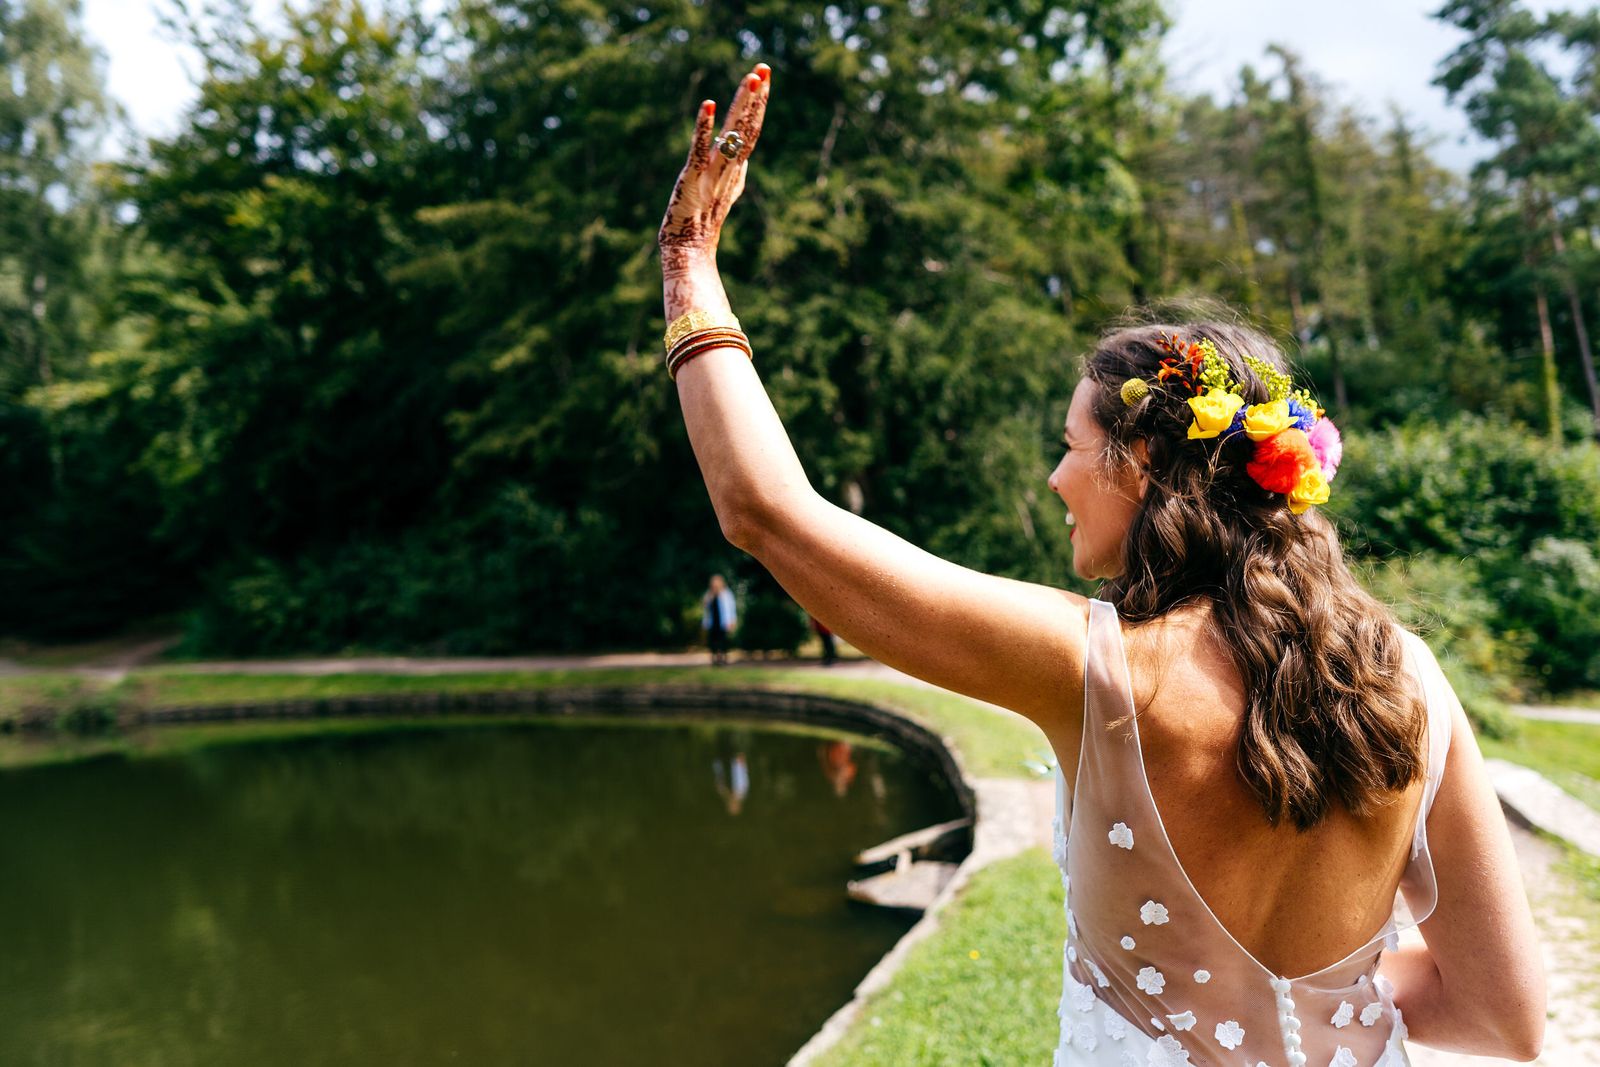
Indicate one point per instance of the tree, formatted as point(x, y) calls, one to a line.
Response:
point(1547, 147)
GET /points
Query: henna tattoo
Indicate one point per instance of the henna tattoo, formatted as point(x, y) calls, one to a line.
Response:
point(709, 183)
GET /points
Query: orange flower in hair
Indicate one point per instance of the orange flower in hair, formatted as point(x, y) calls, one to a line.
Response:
point(1282, 460)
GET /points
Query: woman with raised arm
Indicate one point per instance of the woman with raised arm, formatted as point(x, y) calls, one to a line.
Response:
point(1256, 759)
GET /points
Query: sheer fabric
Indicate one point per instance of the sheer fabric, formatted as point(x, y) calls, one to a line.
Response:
point(1151, 978)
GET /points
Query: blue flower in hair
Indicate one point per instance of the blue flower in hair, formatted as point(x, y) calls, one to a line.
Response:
point(1303, 416)
point(1238, 422)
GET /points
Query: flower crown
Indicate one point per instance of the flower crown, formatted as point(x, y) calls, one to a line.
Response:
point(1297, 447)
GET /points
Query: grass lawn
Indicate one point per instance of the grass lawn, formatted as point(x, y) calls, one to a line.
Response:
point(992, 744)
point(1567, 753)
point(984, 989)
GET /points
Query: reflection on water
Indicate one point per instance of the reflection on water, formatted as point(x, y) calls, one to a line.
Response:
point(531, 893)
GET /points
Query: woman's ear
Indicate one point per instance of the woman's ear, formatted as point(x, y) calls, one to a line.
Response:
point(1141, 455)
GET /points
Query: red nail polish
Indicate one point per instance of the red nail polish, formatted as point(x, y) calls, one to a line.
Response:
point(764, 71)
point(709, 107)
point(752, 83)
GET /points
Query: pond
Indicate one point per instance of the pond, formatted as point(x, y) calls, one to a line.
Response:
point(528, 893)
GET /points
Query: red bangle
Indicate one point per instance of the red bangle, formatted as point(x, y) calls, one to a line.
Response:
point(703, 341)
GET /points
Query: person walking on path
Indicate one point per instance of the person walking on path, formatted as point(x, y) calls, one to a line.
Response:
point(718, 617)
point(1254, 757)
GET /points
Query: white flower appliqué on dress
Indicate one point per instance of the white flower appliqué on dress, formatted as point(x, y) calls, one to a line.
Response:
point(1202, 977)
point(1152, 981)
point(1127, 942)
point(1084, 1036)
point(1230, 1035)
point(1343, 1057)
point(1166, 1052)
point(1153, 914)
point(1371, 1014)
point(1121, 835)
point(1184, 1021)
point(1082, 997)
point(1116, 1027)
point(1342, 1017)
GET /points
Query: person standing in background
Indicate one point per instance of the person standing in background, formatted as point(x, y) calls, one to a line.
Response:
point(830, 652)
point(718, 617)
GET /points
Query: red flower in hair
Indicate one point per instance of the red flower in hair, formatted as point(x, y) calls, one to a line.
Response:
point(1281, 459)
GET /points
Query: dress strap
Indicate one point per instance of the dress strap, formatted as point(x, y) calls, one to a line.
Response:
point(1108, 693)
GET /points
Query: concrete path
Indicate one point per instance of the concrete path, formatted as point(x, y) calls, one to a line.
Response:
point(1551, 713)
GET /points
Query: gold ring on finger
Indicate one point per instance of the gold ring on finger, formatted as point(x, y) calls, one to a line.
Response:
point(729, 144)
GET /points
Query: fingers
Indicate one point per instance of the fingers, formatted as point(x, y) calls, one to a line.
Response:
point(749, 108)
point(750, 120)
point(705, 123)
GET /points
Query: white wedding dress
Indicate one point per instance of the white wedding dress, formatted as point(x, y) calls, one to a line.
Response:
point(1151, 978)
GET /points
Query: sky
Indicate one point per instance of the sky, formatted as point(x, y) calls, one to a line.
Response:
point(1373, 51)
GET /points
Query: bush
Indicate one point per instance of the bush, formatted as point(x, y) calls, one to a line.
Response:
point(1442, 600)
point(1556, 591)
point(1525, 513)
point(517, 575)
point(1465, 487)
point(771, 621)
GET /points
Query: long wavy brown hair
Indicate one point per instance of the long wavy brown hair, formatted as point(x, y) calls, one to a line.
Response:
point(1330, 714)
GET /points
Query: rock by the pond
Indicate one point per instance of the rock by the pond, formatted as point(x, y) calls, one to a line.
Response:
point(912, 886)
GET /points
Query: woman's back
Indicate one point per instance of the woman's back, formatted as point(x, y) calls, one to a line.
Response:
point(1207, 933)
point(1342, 871)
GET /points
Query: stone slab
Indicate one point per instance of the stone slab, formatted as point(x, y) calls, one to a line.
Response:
point(1533, 800)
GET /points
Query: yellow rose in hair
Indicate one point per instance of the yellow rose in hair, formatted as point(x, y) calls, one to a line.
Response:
point(1262, 421)
point(1311, 489)
point(1213, 412)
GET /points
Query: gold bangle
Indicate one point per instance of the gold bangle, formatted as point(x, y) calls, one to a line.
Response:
point(690, 321)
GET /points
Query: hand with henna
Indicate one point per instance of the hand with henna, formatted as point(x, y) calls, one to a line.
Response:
point(712, 179)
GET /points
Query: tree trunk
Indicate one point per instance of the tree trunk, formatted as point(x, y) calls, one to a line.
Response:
point(1250, 291)
point(1552, 388)
point(1297, 316)
point(1579, 327)
point(38, 308)
point(1341, 395)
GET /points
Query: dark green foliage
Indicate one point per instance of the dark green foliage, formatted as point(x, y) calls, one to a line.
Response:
point(1510, 514)
point(770, 622)
point(1443, 598)
point(364, 356)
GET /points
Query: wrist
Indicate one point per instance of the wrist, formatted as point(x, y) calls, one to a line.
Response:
point(690, 282)
point(686, 260)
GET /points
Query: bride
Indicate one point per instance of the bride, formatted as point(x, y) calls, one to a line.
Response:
point(1256, 759)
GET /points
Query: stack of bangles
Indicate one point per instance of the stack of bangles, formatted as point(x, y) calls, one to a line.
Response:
point(701, 331)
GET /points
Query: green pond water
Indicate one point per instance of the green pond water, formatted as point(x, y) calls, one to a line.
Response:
point(534, 893)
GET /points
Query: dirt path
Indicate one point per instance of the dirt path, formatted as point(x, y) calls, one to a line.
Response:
point(1570, 930)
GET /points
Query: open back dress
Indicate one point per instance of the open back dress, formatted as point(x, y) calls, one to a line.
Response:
point(1151, 978)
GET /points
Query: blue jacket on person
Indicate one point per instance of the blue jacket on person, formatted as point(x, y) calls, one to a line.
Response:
point(729, 614)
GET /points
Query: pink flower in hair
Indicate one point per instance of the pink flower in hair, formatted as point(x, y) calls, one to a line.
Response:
point(1327, 446)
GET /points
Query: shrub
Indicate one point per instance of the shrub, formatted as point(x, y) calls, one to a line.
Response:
point(1556, 591)
point(1525, 513)
point(771, 621)
point(1443, 601)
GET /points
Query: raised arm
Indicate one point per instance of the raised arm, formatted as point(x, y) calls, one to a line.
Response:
point(1011, 643)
